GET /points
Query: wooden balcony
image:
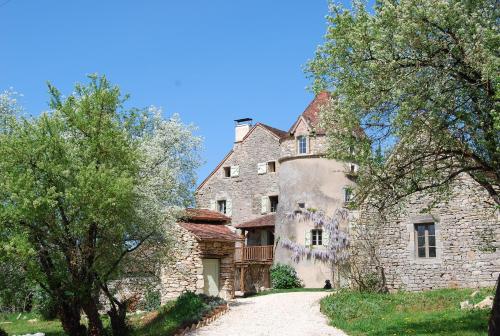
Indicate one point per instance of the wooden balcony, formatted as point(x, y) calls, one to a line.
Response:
point(254, 254)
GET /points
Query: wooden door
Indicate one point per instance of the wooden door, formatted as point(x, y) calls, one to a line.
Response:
point(211, 274)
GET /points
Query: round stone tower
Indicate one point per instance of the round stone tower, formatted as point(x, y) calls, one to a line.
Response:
point(308, 180)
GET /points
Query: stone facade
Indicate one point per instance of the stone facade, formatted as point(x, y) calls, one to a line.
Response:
point(467, 225)
point(243, 193)
point(467, 231)
point(184, 269)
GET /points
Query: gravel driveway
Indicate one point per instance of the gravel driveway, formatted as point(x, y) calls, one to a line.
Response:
point(290, 314)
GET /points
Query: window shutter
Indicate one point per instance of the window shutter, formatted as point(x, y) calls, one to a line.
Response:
point(308, 238)
point(213, 205)
point(326, 238)
point(235, 171)
point(229, 207)
point(261, 168)
point(264, 204)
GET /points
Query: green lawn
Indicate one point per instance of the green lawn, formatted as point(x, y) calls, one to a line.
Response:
point(18, 324)
point(188, 309)
point(423, 313)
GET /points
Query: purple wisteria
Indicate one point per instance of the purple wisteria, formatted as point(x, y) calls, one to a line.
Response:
point(336, 251)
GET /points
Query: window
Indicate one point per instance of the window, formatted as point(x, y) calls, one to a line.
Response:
point(302, 144)
point(273, 200)
point(227, 171)
point(302, 205)
point(221, 205)
point(425, 240)
point(347, 195)
point(271, 167)
point(317, 237)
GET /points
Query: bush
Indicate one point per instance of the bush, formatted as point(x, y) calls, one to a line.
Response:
point(44, 305)
point(3, 332)
point(152, 300)
point(284, 276)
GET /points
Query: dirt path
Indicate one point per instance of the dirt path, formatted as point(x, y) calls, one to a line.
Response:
point(290, 314)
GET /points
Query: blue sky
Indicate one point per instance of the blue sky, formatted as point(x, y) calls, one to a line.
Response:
point(210, 61)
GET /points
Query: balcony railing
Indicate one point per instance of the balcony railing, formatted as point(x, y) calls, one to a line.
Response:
point(254, 254)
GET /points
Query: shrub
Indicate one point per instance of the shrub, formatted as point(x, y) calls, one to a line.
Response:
point(152, 300)
point(284, 276)
point(44, 305)
point(3, 332)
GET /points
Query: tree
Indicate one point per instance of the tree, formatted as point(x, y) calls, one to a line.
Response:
point(420, 79)
point(80, 194)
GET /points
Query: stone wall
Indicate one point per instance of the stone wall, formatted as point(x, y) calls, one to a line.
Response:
point(467, 239)
point(245, 191)
point(184, 269)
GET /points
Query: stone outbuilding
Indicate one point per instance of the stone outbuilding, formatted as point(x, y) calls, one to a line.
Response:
point(202, 257)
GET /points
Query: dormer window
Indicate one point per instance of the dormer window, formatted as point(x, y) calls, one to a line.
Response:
point(302, 144)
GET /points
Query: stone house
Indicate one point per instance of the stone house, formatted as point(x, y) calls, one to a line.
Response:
point(270, 173)
point(202, 258)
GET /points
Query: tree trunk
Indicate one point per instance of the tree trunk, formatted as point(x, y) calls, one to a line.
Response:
point(69, 314)
point(95, 323)
point(494, 324)
point(118, 319)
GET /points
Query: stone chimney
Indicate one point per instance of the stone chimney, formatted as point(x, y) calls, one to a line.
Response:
point(242, 126)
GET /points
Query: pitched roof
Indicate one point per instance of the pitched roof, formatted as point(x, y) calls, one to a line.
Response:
point(311, 113)
point(264, 221)
point(279, 133)
point(204, 215)
point(211, 232)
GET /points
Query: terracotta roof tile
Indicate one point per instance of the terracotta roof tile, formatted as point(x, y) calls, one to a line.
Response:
point(264, 221)
point(211, 232)
point(311, 113)
point(277, 132)
point(204, 215)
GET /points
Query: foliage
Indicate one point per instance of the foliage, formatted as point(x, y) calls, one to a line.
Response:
point(3, 332)
point(152, 300)
point(44, 305)
point(423, 313)
point(415, 94)
point(284, 276)
point(85, 187)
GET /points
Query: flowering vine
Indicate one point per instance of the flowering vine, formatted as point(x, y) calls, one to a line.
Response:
point(336, 251)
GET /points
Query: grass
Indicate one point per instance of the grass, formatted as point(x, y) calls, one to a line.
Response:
point(189, 308)
point(424, 313)
point(20, 326)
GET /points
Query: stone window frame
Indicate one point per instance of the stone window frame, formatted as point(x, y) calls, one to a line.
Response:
point(226, 171)
point(271, 198)
point(299, 145)
point(347, 194)
point(411, 241)
point(271, 166)
point(316, 237)
point(222, 202)
point(426, 246)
